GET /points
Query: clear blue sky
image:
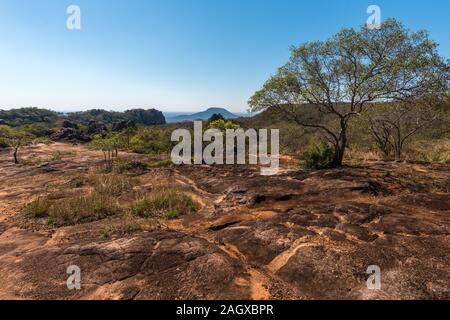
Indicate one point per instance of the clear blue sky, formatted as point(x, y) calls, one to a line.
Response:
point(174, 55)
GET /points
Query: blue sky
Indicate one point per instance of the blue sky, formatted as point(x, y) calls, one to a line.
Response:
point(174, 55)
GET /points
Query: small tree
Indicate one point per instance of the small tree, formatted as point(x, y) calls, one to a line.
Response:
point(344, 76)
point(393, 125)
point(109, 146)
point(215, 117)
point(15, 139)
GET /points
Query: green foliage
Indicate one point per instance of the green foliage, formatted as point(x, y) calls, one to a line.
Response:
point(133, 167)
point(24, 116)
point(318, 156)
point(360, 68)
point(15, 139)
point(222, 125)
point(110, 146)
point(106, 232)
point(138, 116)
point(165, 203)
point(152, 140)
point(39, 130)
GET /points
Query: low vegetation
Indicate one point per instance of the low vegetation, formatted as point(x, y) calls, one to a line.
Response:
point(112, 185)
point(82, 209)
point(318, 156)
point(164, 203)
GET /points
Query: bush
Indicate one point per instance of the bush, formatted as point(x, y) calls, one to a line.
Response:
point(168, 204)
point(152, 140)
point(318, 157)
point(134, 167)
point(81, 209)
point(37, 208)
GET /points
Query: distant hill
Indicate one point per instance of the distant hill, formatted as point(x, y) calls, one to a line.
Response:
point(25, 116)
point(138, 116)
point(204, 115)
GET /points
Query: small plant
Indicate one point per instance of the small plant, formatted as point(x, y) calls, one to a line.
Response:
point(106, 232)
point(133, 167)
point(165, 203)
point(318, 157)
point(37, 208)
point(171, 215)
point(56, 156)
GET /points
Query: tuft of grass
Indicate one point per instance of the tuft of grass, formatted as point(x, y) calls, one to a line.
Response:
point(164, 203)
point(171, 215)
point(82, 209)
point(56, 156)
point(112, 185)
point(106, 232)
point(161, 163)
point(37, 209)
point(78, 181)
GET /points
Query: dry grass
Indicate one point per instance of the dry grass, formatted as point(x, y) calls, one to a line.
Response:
point(429, 151)
point(81, 209)
point(112, 184)
point(164, 203)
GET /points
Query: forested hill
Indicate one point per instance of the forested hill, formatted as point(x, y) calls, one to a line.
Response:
point(23, 116)
point(138, 116)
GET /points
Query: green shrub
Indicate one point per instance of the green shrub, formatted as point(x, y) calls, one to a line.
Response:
point(165, 203)
point(134, 166)
point(172, 215)
point(37, 208)
point(152, 140)
point(318, 157)
point(81, 209)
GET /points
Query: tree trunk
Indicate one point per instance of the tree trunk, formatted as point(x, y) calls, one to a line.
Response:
point(340, 146)
point(16, 161)
point(339, 151)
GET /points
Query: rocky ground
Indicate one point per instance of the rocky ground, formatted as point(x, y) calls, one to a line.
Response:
point(296, 235)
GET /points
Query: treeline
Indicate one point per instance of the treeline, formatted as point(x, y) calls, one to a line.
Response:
point(23, 116)
point(138, 116)
point(27, 116)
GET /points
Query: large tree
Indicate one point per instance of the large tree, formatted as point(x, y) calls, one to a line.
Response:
point(344, 76)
